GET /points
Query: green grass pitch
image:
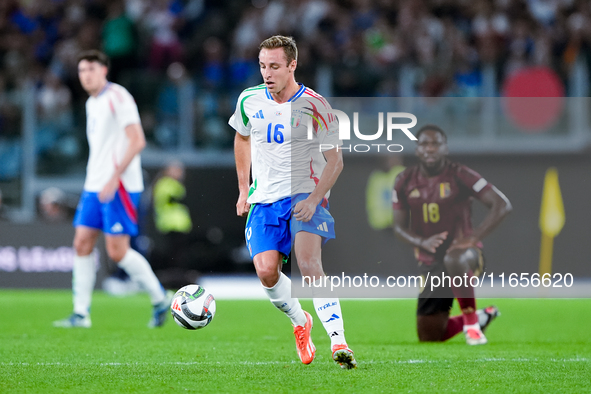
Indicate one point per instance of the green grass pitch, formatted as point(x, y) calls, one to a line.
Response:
point(535, 346)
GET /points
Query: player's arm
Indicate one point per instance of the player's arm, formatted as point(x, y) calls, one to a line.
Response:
point(404, 233)
point(498, 207)
point(137, 143)
point(242, 157)
point(304, 210)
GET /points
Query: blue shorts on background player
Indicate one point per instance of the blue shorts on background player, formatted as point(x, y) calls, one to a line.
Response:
point(110, 217)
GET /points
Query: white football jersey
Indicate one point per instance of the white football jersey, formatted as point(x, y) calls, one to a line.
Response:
point(285, 161)
point(107, 115)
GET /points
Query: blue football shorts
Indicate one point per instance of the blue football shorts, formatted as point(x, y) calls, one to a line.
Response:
point(118, 216)
point(272, 227)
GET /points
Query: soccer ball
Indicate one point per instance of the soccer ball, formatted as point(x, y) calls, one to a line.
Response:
point(192, 307)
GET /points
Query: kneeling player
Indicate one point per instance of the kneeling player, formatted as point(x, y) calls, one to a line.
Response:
point(432, 212)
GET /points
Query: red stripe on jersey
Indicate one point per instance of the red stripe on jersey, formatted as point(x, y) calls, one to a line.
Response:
point(316, 114)
point(324, 202)
point(316, 95)
point(117, 93)
point(322, 100)
point(316, 180)
point(112, 106)
point(127, 203)
point(125, 198)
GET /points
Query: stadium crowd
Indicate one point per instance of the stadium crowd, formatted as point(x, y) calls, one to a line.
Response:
point(347, 48)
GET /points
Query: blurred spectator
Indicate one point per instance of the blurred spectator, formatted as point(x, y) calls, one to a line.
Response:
point(119, 40)
point(10, 126)
point(55, 101)
point(171, 216)
point(177, 87)
point(173, 253)
point(54, 206)
point(213, 68)
point(521, 46)
point(56, 140)
point(378, 192)
point(163, 21)
point(247, 33)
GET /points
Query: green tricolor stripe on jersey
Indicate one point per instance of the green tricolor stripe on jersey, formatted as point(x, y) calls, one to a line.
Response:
point(252, 188)
point(258, 87)
point(244, 116)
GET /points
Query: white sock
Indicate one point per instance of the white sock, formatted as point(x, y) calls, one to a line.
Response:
point(139, 270)
point(280, 296)
point(474, 326)
point(329, 313)
point(83, 279)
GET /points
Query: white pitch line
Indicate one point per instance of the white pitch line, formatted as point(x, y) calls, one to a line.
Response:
point(361, 362)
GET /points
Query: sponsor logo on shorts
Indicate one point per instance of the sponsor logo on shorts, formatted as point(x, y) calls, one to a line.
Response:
point(323, 227)
point(116, 228)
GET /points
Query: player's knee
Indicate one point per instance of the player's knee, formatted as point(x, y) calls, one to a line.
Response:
point(268, 276)
point(460, 261)
point(309, 262)
point(470, 258)
point(427, 338)
point(453, 262)
point(83, 246)
point(429, 335)
point(308, 258)
point(267, 272)
point(116, 252)
point(431, 328)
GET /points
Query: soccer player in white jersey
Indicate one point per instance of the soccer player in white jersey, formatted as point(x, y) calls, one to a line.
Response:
point(287, 201)
point(111, 191)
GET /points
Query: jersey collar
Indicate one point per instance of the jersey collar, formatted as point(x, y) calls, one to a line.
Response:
point(297, 94)
point(104, 89)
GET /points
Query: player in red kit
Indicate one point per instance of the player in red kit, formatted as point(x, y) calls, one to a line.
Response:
point(432, 212)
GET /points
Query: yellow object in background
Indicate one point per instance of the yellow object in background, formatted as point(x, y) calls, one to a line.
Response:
point(378, 197)
point(552, 218)
point(171, 215)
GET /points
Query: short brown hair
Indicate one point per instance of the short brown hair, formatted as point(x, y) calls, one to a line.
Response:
point(94, 55)
point(287, 43)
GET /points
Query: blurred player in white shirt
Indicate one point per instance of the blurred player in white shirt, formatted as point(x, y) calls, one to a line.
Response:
point(111, 191)
point(287, 201)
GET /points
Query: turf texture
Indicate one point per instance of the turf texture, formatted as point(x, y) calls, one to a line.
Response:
point(536, 345)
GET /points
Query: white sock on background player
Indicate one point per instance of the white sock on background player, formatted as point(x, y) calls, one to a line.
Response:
point(329, 313)
point(139, 270)
point(83, 279)
point(280, 296)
